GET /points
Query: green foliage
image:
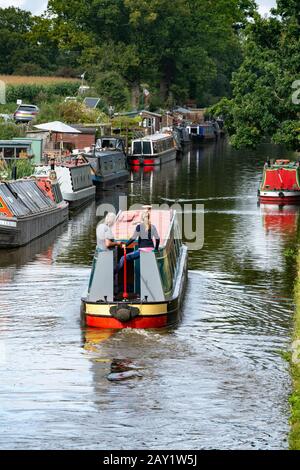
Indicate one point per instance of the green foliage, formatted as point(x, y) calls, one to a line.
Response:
point(113, 89)
point(262, 105)
point(223, 109)
point(34, 93)
point(76, 112)
point(183, 49)
point(125, 122)
point(24, 169)
point(49, 111)
point(288, 134)
point(294, 438)
point(10, 130)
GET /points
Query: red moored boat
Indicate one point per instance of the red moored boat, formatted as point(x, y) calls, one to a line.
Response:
point(281, 183)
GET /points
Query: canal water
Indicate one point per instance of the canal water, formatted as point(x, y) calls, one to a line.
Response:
point(218, 380)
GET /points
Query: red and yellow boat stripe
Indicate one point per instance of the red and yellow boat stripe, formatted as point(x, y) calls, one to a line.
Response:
point(151, 316)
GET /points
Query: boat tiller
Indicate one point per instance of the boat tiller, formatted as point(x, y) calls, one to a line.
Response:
point(125, 293)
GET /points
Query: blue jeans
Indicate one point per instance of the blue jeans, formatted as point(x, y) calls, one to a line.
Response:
point(130, 257)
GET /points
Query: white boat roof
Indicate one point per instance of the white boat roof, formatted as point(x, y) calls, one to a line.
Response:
point(154, 137)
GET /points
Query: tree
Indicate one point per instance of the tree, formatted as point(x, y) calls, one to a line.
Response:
point(262, 104)
point(24, 44)
point(181, 48)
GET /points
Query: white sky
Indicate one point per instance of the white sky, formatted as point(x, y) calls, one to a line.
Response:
point(38, 6)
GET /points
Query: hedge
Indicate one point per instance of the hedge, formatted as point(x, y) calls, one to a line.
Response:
point(36, 93)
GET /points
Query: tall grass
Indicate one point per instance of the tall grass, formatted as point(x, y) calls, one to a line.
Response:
point(27, 80)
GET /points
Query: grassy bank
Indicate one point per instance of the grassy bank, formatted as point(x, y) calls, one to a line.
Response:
point(295, 368)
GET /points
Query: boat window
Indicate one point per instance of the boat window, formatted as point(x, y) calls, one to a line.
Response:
point(147, 148)
point(137, 147)
point(166, 273)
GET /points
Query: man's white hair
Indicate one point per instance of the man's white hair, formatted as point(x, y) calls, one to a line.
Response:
point(110, 219)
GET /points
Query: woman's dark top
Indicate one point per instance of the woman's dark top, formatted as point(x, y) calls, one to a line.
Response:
point(145, 237)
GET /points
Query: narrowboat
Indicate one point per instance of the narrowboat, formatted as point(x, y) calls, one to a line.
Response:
point(28, 209)
point(203, 132)
point(281, 183)
point(108, 162)
point(183, 136)
point(153, 150)
point(149, 291)
point(75, 181)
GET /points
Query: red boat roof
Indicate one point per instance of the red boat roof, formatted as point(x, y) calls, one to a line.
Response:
point(281, 177)
point(128, 220)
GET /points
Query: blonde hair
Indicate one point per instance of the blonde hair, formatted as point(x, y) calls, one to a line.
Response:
point(110, 219)
point(146, 220)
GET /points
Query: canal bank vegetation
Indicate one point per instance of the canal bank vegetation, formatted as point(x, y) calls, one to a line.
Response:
point(295, 368)
point(265, 100)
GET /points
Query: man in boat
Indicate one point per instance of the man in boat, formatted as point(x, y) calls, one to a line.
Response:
point(105, 238)
point(145, 233)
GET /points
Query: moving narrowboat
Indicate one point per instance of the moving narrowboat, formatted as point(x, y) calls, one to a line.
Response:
point(153, 150)
point(149, 291)
point(28, 209)
point(75, 181)
point(203, 132)
point(281, 183)
point(108, 162)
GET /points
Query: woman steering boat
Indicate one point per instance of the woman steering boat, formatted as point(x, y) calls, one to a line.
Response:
point(144, 233)
point(150, 292)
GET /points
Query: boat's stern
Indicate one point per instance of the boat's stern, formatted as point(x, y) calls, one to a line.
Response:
point(147, 292)
point(280, 184)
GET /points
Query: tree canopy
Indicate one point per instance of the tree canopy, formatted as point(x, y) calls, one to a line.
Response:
point(264, 102)
point(184, 49)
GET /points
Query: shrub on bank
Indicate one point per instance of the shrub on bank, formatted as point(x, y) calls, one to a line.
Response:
point(294, 439)
point(24, 169)
point(10, 130)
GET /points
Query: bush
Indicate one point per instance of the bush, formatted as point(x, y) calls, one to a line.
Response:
point(31, 93)
point(48, 112)
point(113, 89)
point(74, 112)
point(24, 168)
point(10, 130)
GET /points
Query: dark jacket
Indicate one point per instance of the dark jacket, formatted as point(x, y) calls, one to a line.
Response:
point(145, 237)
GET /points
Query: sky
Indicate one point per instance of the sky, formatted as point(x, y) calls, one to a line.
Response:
point(38, 6)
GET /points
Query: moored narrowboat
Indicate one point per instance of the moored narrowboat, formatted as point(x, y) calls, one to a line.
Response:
point(28, 209)
point(204, 132)
point(75, 181)
point(153, 150)
point(281, 183)
point(149, 291)
point(108, 162)
point(183, 136)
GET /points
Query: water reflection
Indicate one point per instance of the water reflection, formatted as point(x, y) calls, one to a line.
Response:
point(217, 381)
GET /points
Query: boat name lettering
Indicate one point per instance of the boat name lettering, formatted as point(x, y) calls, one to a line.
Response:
point(8, 223)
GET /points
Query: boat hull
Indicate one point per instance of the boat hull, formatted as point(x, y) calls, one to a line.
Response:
point(20, 231)
point(80, 198)
point(279, 197)
point(152, 316)
point(154, 161)
point(107, 181)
